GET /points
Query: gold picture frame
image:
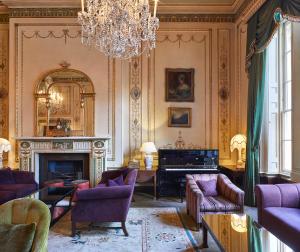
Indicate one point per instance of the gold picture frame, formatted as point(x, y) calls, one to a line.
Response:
point(180, 85)
point(179, 117)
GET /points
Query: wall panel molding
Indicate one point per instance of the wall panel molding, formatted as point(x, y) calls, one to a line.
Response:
point(4, 85)
point(224, 93)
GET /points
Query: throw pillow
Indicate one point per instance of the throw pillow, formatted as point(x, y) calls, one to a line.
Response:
point(17, 238)
point(118, 181)
point(6, 177)
point(208, 187)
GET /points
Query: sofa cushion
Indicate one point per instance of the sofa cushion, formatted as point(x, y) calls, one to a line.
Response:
point(288, 219)
point(101, 185)
point(208, 187)
point(218, 204)
point(17, 238)
point(118, 181)
point(6, 196)
point(6, 177)
point(20, 190)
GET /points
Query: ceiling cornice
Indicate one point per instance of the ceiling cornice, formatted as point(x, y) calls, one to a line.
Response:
point(247, 10)
point(41, 3)
point(200, 8)
point(163, 8)
point(244, 9)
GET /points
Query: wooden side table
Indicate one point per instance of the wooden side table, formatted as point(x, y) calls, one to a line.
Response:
point(147, 176)
point(236, 175)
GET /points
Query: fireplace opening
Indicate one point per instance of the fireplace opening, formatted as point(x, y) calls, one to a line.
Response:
point(68, 167)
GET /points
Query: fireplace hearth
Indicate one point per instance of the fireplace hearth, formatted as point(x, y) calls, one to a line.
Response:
point(65, 166)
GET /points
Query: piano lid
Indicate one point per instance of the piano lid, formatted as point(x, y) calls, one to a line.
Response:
point(188, 158)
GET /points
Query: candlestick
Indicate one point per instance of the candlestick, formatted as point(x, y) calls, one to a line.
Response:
point(155, 7)
point(82, 5)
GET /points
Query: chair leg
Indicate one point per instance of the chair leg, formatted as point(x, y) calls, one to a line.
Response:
point(73, 228)
point(124, 229)
point(198, 226)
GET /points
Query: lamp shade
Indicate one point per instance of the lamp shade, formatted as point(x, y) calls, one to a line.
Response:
point(5, 145)
point(239, 223)
point(239, 142)
point(148, 147)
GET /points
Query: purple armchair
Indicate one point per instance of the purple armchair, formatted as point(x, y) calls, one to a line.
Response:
point(229, 198)
point(278, 209)
point(103, 203)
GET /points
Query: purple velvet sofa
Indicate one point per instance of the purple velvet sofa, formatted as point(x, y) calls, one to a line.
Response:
point(105, 203)
point(278, 209)
point(16, 184)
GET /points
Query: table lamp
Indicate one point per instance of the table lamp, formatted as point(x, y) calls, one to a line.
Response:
point(4, 147)
point(239, 142)
point(148, 148)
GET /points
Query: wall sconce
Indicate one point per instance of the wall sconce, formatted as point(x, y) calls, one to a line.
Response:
point(239, 142)
point(5, 146)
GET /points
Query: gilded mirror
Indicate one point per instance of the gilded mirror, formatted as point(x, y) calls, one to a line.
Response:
point(65, 104)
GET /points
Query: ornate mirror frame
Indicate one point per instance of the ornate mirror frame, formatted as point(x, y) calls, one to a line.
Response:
point(75, 80)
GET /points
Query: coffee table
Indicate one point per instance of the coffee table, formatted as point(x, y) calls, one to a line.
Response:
point(236, 233)
point(58, 199)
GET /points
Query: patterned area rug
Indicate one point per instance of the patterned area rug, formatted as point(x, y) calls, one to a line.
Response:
point(150, 230)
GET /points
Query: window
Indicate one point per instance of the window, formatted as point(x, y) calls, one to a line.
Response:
point(286, 98)
point(277, 133)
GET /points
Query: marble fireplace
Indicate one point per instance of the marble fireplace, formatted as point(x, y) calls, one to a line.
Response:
point(89, 152)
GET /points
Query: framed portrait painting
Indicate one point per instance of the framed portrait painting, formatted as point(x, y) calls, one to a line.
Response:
point(180, 85)
point(180, 117)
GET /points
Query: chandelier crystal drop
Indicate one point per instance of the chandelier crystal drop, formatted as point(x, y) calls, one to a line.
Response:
point(119, 28)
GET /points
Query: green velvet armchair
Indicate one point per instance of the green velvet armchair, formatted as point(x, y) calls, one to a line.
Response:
point(26, 211)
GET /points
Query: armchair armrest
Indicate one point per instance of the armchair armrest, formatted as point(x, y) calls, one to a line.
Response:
point(24, 177)
point(115, 192)
point(266, 196)
point(194, 198)
point(231, 191)
point(194, 189)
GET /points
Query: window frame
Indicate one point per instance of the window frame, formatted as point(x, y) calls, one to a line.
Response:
point(283, 82)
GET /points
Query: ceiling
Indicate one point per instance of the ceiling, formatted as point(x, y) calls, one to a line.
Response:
point(164, 6)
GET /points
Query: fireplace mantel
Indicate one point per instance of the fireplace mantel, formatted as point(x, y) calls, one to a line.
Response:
point(31, 147)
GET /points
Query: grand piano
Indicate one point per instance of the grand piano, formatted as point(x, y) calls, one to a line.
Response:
point(174, 164)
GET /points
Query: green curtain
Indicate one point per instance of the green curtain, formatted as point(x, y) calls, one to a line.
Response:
point(254, 237)
point(261, 28)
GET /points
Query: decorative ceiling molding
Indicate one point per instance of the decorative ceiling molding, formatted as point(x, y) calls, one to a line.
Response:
point(41, 3)
point(43, 12)
point(243, 10)
point(165, 7)
point(247, 10)
point(4, 18)
point(72, 13)
point(200, 8)
point(208, 18)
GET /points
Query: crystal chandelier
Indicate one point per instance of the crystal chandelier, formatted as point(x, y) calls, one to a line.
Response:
point(119, 28)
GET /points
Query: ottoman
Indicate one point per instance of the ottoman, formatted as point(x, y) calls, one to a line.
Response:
point(54, 183)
